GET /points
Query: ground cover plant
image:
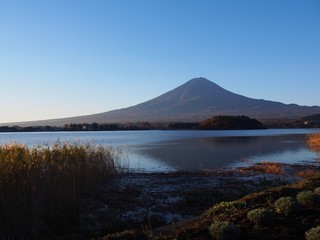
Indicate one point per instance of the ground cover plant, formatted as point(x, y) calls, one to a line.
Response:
point(41, 187)
point(313, 233)
point(224, 231)
point(308, 198)
point(261, 216)
point(286, 205)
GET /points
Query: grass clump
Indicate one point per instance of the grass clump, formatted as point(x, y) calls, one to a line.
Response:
point(307, 173)
point(268, 167)
point(308, 198)
point(41, 187)
point(224, 231)
point(313, 141)
point(223, 207)
point(286, 205)
point(313, 233)
point(261, 216)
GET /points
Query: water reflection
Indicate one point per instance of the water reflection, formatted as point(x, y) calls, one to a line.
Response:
point(212, 152)
point(187, 150)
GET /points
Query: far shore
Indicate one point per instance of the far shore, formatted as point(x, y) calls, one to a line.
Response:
point(214, 123)
point(136, 127)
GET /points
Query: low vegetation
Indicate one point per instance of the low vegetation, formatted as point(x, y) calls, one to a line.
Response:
point(308, 198)
point(261, 216)
point(313, 233)
point(41, 187)
point(286, 206)
point(224, 231)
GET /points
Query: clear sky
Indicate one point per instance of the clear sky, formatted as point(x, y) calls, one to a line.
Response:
point(61, 58)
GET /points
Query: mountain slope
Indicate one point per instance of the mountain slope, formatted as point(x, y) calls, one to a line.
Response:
point(195, 100)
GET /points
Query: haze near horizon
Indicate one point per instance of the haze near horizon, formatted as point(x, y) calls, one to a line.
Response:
point(64, 59)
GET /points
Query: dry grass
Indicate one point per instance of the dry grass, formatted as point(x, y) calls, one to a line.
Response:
point(267, 167)
point(41, 187)
point(307, 173)
point(313, 141)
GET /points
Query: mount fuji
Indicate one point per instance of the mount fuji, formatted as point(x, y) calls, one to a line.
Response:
point(193, 101)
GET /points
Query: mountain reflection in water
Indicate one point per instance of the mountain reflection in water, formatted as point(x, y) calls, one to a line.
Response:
point(154, 151)
point(212, 152)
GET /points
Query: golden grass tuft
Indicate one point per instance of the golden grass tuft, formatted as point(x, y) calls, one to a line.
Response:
point(313, 141)
point(268, 167)
point(41, 187)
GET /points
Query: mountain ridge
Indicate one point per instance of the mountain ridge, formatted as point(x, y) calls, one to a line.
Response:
point(193, 101)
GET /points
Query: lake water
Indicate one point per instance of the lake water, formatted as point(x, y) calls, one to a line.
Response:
point(188, 150)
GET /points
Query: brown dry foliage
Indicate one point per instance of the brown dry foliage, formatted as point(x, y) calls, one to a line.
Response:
point(268, 167)
point(307, 173)
point(313, 141)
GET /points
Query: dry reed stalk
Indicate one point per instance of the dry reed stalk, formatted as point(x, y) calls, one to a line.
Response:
point(41, 187)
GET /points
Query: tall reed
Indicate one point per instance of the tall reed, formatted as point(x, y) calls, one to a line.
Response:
point(41, 187)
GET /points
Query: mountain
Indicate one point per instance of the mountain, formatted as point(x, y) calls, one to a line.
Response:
point(195, 100)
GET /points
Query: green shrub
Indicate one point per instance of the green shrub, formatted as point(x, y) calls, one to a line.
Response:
point(41, 187)
point(317, 190)
point(313, 234)
point(224, 231)
point(261, 216)
point(308, 198)
point(286, 205)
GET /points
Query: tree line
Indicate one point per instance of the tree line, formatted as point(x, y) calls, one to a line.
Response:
point(214, 123)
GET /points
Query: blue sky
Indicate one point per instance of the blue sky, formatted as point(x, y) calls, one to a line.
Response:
point(61, 58)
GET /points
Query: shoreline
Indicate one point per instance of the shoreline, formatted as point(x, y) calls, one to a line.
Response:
point(158, 200)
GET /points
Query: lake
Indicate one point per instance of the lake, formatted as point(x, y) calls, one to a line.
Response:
point(154, 151)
